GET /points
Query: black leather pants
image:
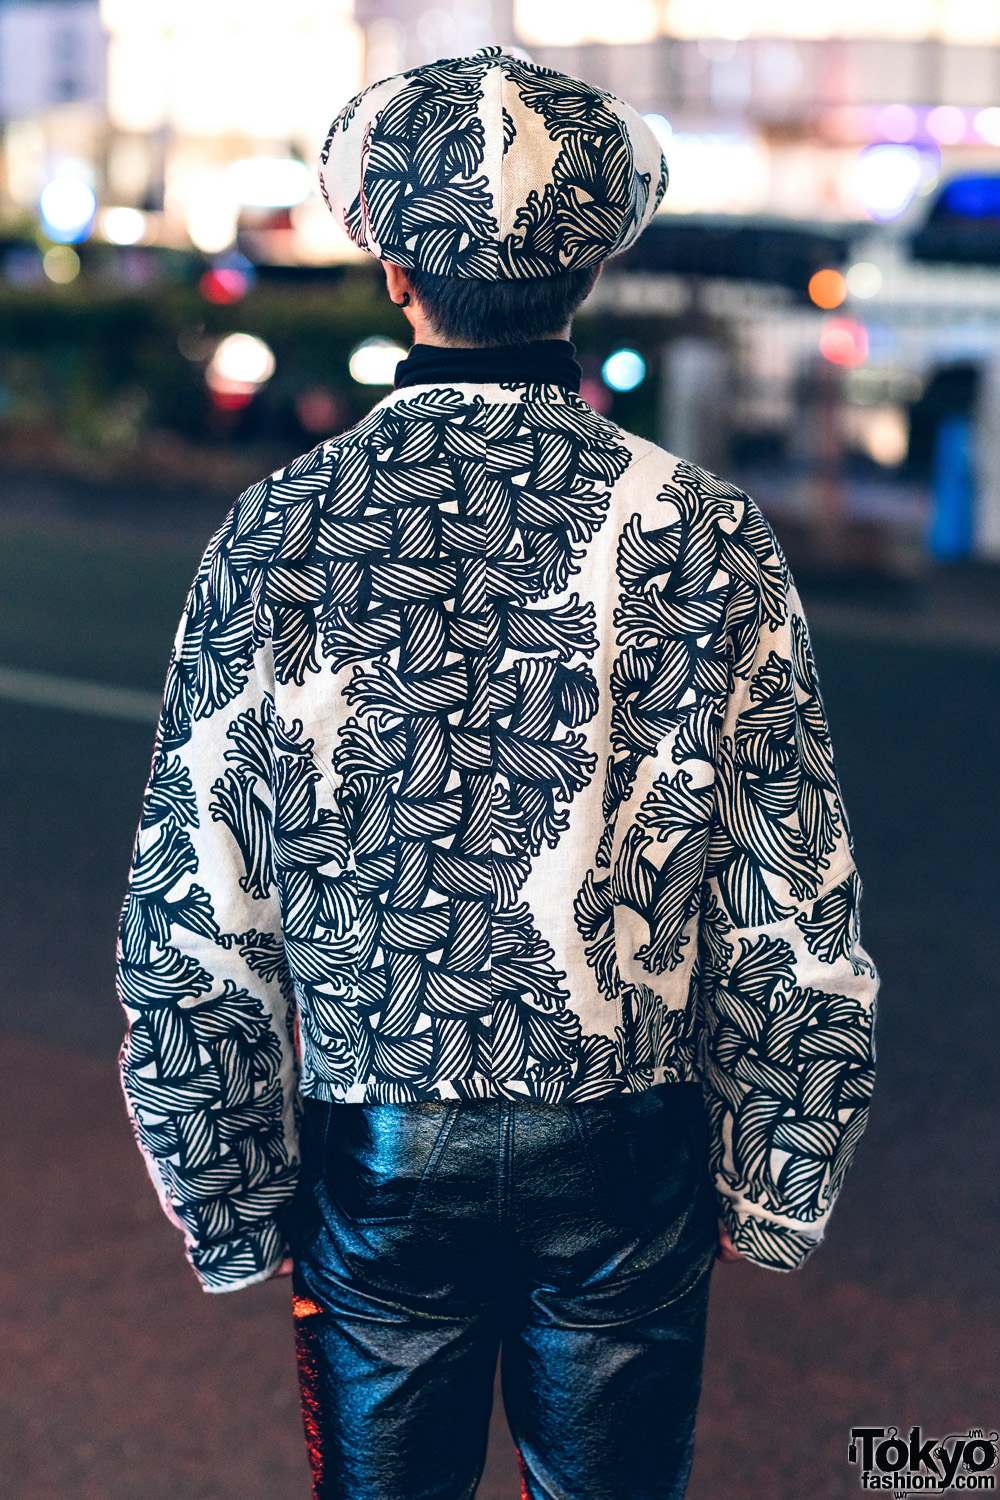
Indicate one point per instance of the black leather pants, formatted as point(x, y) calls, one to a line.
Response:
point(579, 1237)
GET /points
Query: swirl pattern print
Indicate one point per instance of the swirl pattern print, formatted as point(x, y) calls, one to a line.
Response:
point(735, 821)
point(465, 751)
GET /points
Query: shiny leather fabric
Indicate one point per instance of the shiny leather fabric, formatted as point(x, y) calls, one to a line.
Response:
point(580, 1237)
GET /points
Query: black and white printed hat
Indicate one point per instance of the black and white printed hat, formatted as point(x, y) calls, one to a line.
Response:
point(492, 168)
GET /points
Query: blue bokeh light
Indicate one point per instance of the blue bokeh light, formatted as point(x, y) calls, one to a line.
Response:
point(68, 206)
point(624, 370)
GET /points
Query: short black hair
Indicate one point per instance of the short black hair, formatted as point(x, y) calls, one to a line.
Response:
point(501, 312)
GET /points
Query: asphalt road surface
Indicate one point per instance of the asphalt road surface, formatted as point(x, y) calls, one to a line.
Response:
point(120, 1380)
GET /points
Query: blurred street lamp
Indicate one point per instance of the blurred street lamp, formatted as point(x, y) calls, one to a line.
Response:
point(374, 361)
point(211, 226)
point(67, 206)
point(123, 226)
point(623, 370)
point(241, 364)
point(210, 212)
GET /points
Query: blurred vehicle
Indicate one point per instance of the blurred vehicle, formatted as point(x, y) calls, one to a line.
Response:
point(848, 374)
point(779, 252)
point(963, 224)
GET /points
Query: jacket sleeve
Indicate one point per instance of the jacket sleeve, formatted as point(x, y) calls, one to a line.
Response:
point(208, 1063)
point(787, 993)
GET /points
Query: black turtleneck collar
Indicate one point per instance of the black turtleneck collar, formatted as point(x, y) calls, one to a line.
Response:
point(545, 362)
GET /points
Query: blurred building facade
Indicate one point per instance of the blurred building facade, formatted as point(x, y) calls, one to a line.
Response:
point(400, 34)
point(52, 53)
point(767, 104)
point(195, 124)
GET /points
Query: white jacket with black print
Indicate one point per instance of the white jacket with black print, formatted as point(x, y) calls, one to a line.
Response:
point(492, 763)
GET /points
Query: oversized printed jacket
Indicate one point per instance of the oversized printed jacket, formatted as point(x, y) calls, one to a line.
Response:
point(492, 763)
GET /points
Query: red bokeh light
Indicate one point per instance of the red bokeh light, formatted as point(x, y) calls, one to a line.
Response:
point(230, 399)
point(597, 395)
point(844, 342)
point(223, 284)
point(318, 410)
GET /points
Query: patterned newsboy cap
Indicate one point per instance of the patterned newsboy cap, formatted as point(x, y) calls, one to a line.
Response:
point(492, 168)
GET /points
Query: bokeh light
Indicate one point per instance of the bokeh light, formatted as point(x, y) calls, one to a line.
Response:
point(886, 179)
point(987, 125)
point(243, 357)
point(844, 342)
point(241, 364)
point(661, 128)
point(68, 206)
point(597, 395)
point(210, 212)
point(374, 361)
point(864, 279)
point(23, 265)
point(123, 226)
point(897, 122)
point(318, 409)
point(223, 285)
point(61, 264)
point(827, 288)
point(624, 370)
point(887, 436)
point(946, 124)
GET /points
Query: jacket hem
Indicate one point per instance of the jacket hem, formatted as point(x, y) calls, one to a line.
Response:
point(237, 1286)
point(767, 1242)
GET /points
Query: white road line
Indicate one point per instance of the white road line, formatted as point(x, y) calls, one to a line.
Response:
point(76, 695)
point(43, 690)
point(846, 622)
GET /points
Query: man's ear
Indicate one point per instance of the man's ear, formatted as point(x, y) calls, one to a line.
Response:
point(398, 283)
point(402, 293)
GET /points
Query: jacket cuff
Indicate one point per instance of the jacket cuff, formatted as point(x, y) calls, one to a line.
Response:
point(248, 1258)
point(768, 1243)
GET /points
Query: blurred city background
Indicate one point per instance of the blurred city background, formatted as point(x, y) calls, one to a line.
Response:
point(814, 313)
